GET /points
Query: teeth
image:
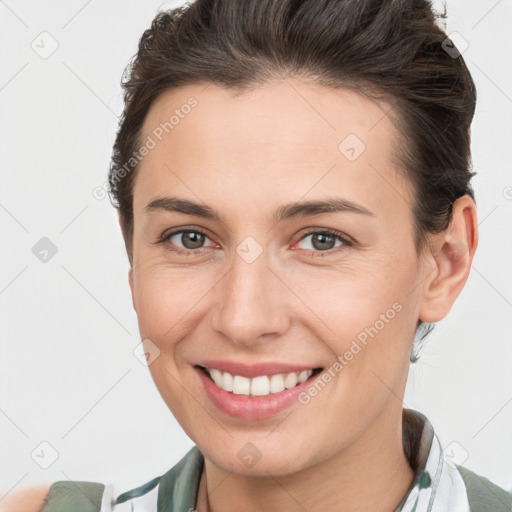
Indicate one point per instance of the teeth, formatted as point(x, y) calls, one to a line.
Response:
point(277, 383)
point(260, 386)
point(257, 386)
point(227, 382)
point(216, 376)
point(290, 381)
point(241, 385)
point(303, 376)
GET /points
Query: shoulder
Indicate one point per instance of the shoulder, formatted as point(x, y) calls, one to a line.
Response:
point(484, 495)
point(180, 485)
point(175, 490)
point(29, 499)
point(61, 496)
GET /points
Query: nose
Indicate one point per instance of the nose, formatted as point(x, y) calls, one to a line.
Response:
point(250, 303)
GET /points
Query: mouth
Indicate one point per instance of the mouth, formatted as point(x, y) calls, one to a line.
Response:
point(259, 385)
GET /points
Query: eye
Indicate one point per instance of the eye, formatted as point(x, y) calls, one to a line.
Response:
point(191, 240)
point(324, 241)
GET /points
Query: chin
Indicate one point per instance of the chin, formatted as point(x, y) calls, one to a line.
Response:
point(247, 455)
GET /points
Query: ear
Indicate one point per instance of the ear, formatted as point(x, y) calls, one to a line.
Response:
point(450, 262)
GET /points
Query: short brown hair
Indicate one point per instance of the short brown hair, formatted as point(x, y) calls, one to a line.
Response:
point(388, 49)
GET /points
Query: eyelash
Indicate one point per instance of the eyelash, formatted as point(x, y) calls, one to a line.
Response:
point(330, 232)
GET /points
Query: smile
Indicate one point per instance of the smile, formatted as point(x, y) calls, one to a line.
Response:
point(258, 395)
point(261, 385)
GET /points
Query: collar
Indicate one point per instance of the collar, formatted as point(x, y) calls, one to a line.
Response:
point(436, 485)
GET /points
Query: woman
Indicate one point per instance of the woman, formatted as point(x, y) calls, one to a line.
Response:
point(293, 186)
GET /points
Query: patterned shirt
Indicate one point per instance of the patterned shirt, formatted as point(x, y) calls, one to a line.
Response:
point(438, 485)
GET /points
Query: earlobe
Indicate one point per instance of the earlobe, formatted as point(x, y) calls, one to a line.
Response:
point(452, 261)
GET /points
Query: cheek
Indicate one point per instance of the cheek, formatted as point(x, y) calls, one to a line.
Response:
point(169, 300)
point(369, 318)
point(349, 302)
point(170, 303)
point(371, 341)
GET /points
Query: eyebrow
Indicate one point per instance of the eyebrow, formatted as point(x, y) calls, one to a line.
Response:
point(285, 212)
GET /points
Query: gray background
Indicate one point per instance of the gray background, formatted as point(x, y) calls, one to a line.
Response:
point(68, 374)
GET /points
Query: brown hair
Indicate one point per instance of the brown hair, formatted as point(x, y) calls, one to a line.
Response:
point(388, 49)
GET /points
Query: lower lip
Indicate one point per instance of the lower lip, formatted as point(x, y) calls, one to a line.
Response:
point(252, 408)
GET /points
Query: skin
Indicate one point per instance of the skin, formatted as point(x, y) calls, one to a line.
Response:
point(31, 499)
point(245, 156)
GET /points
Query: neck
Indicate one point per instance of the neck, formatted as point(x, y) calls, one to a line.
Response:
point(371, 474)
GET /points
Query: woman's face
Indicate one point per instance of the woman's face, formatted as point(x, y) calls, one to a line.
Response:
point(264, 282)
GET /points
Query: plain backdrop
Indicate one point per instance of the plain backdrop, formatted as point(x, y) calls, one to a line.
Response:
point(74, 397)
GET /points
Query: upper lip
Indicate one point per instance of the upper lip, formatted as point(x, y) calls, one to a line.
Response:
point(254, 370)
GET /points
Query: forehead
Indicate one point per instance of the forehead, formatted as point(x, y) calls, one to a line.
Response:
point(285, 111)
point(286, 138)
